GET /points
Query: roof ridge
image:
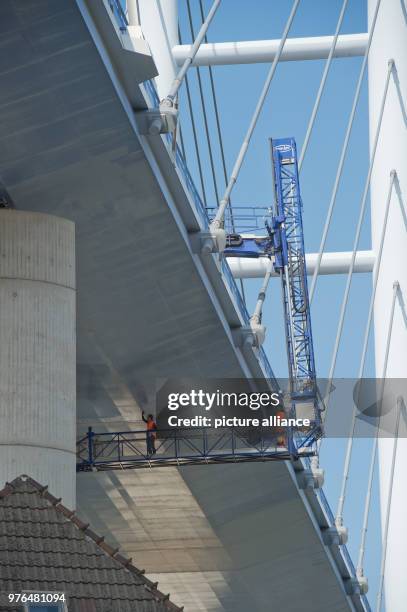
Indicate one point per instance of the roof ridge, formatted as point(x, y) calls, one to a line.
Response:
point(126, 563)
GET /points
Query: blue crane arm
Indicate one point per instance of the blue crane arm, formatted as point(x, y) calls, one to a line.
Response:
point(284, 243)
point(290, 263)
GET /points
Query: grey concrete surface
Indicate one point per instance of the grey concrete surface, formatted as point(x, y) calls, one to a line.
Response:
point(37, 350)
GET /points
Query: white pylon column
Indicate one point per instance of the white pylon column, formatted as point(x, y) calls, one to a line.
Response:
point(390, 43)
point(37, 351)
point(133, 12)
point(159, 24)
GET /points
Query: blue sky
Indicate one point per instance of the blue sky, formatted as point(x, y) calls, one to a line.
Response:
point(286, 113)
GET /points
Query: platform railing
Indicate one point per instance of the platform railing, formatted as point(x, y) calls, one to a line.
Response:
point(120, 15)
point(244, 219)
point(183, 446)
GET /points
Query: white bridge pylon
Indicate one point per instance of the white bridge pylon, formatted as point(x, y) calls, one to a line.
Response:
point(390, 44)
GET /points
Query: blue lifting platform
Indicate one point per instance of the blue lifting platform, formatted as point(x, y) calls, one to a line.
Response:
point(284, 242)
point(288, 240)
point(238, 246)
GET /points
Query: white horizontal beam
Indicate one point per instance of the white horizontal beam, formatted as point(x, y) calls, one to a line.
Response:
point(258, 51)
point(331, 263)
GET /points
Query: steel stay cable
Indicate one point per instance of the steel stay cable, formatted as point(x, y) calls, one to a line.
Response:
point(218, 220)
point(356, 242)
point(217, 118)
point(170, 98)
point(181, 137)
point(257, 314)
point(388, 509)
point(359, 567)
point(204, 114)
point(191, 114)
point(343, 154)
point(322, 85)
point(345, 477)
point(220, 140)
point(359, 228)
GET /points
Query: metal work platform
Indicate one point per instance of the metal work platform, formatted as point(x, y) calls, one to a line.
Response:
point(128, 449)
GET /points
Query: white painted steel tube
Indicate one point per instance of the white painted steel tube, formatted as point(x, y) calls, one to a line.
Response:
point(159, 23)
point(37, 351)
point(390, 42)
point(264, 51)
point(332, 263)
point(173, 91)
point(133, 12)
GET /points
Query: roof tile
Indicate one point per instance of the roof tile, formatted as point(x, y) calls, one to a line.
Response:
point(46, 547)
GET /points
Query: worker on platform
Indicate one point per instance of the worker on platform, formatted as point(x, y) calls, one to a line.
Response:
point(281, 431)
point(150, 433)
